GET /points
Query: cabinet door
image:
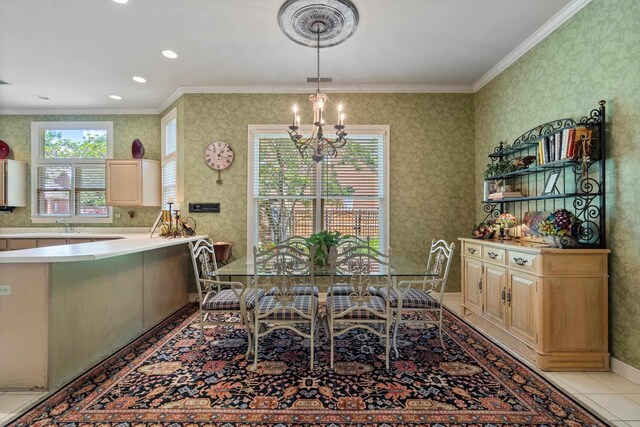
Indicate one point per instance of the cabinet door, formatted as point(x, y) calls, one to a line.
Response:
point(43, 243)
point(522, 305)
point(473, 284)
point(495, 290)
point(124, 183)
point(17, 244)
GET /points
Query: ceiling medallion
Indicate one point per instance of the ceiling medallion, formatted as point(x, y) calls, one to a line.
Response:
point(338, 17)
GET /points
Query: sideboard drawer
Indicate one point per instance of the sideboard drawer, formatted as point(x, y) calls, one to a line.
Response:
point(522, 260)
point(471, 249)
point(494, 255)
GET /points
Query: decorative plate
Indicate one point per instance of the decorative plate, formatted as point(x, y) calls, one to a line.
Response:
point(137, 149)
point(5, 150)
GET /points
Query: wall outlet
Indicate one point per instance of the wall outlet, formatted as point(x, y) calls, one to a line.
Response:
point(5, 290)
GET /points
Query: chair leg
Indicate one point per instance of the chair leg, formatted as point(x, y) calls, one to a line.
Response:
point(331, 339)
point(440, 328)
point(256, 337)
point(313, 327)
point(398, 319)
point(201, 338)
point(388, 342)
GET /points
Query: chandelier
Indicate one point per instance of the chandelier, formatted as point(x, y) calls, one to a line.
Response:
point(327, 24)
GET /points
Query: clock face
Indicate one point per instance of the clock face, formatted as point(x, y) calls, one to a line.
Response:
point(218, 155)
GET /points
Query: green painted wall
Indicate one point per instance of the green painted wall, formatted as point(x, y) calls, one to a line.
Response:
point(593, 56)
point(16, 131)
point(432, 159)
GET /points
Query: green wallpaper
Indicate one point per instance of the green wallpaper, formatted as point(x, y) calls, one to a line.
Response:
point(16, 131)
point(593, 56)
point(431, 135)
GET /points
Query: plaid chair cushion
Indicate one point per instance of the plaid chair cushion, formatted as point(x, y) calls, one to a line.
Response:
point(413, 298)
point(226, 300)
point(348, 289)
point(297, 290)
point(340, 303)
point(307, 304)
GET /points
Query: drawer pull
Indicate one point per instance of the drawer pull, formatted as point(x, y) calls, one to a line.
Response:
point(492, 255)
point(503, 296)
point(520, 261)
point(480, 285)
point(471, 251)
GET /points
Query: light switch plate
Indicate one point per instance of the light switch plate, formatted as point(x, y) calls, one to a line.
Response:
point(5, 290)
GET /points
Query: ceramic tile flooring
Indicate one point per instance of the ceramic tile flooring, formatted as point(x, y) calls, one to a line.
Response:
point(613, 397)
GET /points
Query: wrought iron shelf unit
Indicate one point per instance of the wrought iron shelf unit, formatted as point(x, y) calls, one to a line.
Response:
point(581, 183)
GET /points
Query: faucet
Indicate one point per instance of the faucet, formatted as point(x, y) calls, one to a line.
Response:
point(65, 223)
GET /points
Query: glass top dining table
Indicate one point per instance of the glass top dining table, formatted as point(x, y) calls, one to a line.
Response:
point(399, 266)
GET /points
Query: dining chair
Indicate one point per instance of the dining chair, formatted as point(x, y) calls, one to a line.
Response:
point(405, 298)
point(349, 244)
point(284, 268)
point(369, 273)
point(302, 245)
point(236, 299)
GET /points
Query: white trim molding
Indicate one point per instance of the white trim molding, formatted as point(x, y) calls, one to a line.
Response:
point(76, 111)
point(624, 370)
point(541, 33)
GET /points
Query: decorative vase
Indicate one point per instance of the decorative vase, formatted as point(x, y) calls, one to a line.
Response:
point(553, 241)
point(137, 149)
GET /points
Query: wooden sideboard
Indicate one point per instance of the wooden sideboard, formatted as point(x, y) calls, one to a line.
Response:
point(550, 305)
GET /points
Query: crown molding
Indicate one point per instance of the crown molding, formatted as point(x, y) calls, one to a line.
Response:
point(75, 111)
point(330, 89)
point(541, 33)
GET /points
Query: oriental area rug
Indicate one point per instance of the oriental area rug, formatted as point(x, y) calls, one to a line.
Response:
point(165, 379)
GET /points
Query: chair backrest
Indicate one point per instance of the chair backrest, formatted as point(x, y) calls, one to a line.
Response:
point(282, 267)
point(365, 267)
point(440, 256)
point(348, 242)
point(297, 242)
point(204, 262)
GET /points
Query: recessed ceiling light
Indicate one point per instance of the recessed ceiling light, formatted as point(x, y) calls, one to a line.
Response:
point(44, 98)
point(121, 1)
point(170, 54)
point(118, 97)
point(139, 79)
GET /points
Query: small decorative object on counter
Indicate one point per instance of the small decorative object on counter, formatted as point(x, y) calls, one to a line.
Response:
point(137, 149)
point(482, 231)
point(560, 227)
point(506, 221)
point(5, 150)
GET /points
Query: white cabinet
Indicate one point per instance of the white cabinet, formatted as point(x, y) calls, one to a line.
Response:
point(13, 183)
point(133, 183)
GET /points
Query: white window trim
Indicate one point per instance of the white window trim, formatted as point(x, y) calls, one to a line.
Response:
point(171, 115)
point(253, 130)
point(36, 160)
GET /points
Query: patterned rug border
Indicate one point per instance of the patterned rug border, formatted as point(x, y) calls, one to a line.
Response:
point(158, 336)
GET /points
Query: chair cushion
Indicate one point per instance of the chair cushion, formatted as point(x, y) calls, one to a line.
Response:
point(227, 300)
point(338, 304)
point(307, 304)
point(413, 298)
point(348, 289)
point(298, 290)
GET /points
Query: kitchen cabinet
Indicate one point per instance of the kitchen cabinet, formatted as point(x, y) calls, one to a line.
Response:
point(13, 183)
point(549, 305)
point(135, 182)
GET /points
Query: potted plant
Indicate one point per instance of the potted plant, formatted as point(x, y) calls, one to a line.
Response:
point(323, 242)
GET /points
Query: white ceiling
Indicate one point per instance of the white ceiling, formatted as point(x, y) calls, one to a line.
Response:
point(78, 52)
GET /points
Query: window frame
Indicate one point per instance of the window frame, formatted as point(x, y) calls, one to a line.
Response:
point(37, 160)
point(253, 130)
point(171, 115)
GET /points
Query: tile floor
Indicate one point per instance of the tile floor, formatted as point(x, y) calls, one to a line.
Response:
point(613, 397)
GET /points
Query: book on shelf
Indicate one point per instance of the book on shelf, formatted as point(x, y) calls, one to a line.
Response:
point(562, 145)
point(504, 195)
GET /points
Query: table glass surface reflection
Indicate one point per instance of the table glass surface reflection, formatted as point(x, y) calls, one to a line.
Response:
point(399, 266)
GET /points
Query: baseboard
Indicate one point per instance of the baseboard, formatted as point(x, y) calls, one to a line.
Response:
point(453, 295)
point(624, 370)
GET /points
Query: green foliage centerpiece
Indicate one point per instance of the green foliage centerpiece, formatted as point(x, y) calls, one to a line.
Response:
point(323, 242)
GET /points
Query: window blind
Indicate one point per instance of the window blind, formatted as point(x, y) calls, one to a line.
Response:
point(53, 187)
point(90, 190)
point(169, 180)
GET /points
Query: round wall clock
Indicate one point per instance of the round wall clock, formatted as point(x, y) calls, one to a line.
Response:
point(218, 155)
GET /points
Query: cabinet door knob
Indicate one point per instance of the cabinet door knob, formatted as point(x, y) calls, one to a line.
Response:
point(480, 284)
point(520, 261)
point(471, 251)
point(503, 295)
point(492, 255)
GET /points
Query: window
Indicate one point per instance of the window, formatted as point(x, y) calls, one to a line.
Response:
point(169, 157)
point(289, 196)
point(68, 171)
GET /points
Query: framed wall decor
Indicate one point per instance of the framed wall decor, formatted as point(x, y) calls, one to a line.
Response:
point(550, 184)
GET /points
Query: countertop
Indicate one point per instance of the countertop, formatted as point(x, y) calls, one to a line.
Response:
point(124, 242)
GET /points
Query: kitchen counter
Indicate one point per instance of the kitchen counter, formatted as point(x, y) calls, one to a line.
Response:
point(121, 244)
point(65, 308)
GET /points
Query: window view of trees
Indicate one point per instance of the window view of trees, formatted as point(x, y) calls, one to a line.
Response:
point(72, 144)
